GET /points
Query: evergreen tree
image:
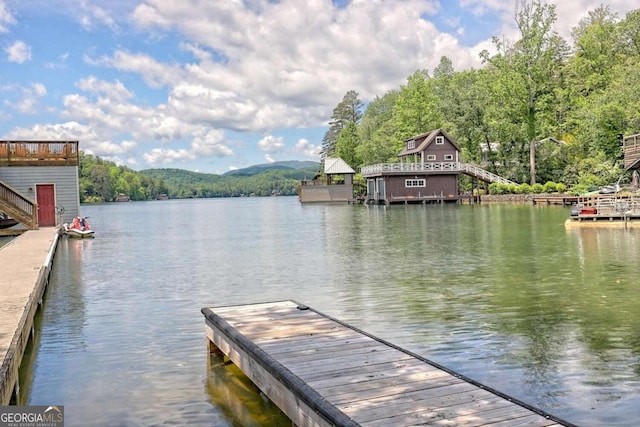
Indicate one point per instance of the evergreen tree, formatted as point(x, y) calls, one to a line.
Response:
point(349, 110)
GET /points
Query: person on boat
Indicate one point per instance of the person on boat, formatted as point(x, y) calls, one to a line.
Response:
point(76, 223)
point(84, 224)
point(80, 223)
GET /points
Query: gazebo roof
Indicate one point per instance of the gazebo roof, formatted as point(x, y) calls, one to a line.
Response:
point(337, 166)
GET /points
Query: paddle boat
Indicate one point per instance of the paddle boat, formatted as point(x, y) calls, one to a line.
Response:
point(79, 228)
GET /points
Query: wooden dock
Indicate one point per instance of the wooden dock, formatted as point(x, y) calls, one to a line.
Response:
point(25, 264)
point(564, 200)
point(322, 372)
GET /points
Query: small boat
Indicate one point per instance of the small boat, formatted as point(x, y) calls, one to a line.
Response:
point(6, 221)
point(79, 228)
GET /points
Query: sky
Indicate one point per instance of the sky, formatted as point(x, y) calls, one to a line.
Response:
point(216, 85)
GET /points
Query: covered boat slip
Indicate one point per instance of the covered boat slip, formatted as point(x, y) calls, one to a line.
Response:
point(322, 372)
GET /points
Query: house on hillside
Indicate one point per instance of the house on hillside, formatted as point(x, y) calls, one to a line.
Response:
point(428, 170)
point(39, 182)
point(338, 186)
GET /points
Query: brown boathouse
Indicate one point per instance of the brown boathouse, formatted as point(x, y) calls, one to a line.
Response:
point(428, 171)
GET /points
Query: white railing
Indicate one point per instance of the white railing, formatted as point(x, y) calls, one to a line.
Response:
point(412, 167)
point(432, 167)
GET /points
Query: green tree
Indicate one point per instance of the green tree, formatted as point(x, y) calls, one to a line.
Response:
point(533, 63)
point(347, 146)
point(416, 109)
point(376, 131)
point(349, 110)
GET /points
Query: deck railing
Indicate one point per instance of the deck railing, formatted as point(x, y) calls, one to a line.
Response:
point(18, 207)
point(434, 167)
point(39, 153)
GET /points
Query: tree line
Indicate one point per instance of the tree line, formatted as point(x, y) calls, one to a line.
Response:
point(102, 181)
point(564, 104)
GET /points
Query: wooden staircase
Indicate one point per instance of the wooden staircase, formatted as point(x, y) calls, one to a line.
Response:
point(18, 207)
point(484, 175)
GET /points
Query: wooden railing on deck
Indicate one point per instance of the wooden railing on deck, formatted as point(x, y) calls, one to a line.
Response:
point(39, 153)
point(18, 207)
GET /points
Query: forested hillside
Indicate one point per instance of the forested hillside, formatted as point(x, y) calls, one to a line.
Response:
point(567, 103)
point(184, 184)
point(102, 181)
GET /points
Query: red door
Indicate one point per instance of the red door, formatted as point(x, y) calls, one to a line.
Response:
point(46, 199)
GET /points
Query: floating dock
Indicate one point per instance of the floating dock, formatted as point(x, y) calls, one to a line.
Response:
point(322, 372)
point(25, 264)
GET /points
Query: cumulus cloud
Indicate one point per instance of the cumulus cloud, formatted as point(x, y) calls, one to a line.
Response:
point(271, 144)
point(24, 100)
point(114, 91)
point(211, 144)
point(18, 52)
point(165, 155)
point(286, 63)
point(307, 149)
point(92, 15)
point(155, 73)
point(6, 18)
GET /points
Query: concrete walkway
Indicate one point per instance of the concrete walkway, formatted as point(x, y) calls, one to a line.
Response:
point(25, 264)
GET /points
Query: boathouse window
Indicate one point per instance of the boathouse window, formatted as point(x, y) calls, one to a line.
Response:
point(439, 140)
point(448, 156)
point(415, 183)
point(411, 144)
point(431, 156)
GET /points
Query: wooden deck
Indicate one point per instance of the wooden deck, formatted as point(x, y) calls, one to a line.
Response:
point(322, 372)
point(25, 263)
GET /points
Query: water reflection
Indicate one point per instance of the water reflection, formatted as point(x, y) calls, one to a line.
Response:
point(501, 293)
point(231, 391)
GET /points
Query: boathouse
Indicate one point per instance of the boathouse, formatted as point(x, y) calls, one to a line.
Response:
point(428, 171)
point(39, 182)
point(631, 150)
point(335, 186)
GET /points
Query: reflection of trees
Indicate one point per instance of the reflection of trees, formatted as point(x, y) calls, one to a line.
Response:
point(238, 398)
point(508, 273)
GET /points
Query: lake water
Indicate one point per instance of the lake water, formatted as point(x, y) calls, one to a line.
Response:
point(501, 293)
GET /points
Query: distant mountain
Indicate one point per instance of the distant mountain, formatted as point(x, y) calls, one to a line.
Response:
point(289, 164)
point(280, 178)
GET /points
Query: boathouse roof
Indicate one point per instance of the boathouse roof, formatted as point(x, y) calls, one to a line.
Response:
point(423, 140)
point(337, 166)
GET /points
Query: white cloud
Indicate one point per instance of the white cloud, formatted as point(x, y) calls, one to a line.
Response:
point(306, 148)
point(154, 73)
point(288, 63)
point(211, 144)
point(271, 144)
point(163, 156)
point(92, 15)
point(113, 91)
point(19, 52)
point(26, 100)
point(6, 18)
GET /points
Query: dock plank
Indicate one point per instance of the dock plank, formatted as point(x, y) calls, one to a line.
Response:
point(323, 372)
